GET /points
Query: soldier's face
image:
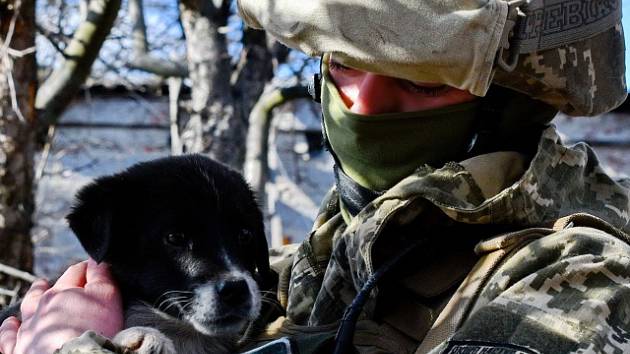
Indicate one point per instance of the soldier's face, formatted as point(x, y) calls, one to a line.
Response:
point(369, 93)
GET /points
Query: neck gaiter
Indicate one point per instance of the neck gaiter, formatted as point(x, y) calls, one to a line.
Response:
point(377, 151)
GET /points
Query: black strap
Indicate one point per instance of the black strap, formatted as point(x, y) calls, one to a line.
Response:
point(345, 333)
point(353, 195)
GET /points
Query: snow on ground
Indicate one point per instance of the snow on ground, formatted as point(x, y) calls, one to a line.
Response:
point(300, 171)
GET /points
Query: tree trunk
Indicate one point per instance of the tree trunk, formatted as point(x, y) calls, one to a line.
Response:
point(255, 69)
point(18, 84)
point(215, 127)
point(63, 84)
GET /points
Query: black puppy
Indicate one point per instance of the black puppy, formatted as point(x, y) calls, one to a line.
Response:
point(185, 241)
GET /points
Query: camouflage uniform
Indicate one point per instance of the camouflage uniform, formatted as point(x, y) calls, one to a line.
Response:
point(539, 290)
point(512, 276)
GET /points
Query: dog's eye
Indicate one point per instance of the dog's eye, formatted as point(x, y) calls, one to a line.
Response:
point(245, 236)
point(176, 239)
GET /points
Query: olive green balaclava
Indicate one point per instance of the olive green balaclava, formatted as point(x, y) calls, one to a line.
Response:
point(377, 151)
point(374, 152)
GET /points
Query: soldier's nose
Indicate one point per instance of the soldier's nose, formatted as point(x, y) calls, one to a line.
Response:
point(376, 94)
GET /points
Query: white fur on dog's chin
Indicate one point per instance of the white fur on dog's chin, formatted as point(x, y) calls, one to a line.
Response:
point(205, 302)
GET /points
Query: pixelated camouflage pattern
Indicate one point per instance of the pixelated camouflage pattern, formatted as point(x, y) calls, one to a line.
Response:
point(585, 78)
point(560, 181)
point(576, 301)
point(311, 259)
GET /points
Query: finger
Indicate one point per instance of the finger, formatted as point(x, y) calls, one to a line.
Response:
point(32, 297)
point(98, 273)
point(8, 335)
point(73, 277)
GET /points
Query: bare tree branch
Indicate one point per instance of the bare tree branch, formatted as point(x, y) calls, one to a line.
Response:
point(53, 38)
point(58, 90)
point(17, 273)
point(7, 62)
point(139, 30)
point(255, 167)
point(20, 53)
point(174, 89)
point(157, 66)
point(142, 59)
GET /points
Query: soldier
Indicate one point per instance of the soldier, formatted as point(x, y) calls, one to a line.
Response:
point(459, 222)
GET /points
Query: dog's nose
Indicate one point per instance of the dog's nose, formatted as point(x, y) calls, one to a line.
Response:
point(233, 292)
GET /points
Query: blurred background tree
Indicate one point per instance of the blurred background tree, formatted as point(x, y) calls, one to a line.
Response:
point(18, 84)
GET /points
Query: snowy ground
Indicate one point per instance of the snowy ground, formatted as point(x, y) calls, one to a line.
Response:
point(300, 173)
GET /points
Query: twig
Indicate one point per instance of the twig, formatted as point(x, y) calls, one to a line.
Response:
point(39, 172)
point(11, 29)
point(126, 82)
point(17, 273)
point(174, 87)
point(49, 36)
point(14, 102)
point(7, 292)
point(16, 293)
point(8, 62)
point(143, 102)
point(142, 58)
point(21, 53)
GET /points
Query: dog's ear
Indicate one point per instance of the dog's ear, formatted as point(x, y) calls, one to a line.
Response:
point(268, 278)
point(91, 220)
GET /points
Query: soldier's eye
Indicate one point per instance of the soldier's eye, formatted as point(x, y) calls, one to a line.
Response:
point(431, 91)
point(335, 65)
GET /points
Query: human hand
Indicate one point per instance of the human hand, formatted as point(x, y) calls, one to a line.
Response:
point(84, 298)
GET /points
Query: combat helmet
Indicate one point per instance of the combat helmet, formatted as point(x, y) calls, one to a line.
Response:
point(569, 54)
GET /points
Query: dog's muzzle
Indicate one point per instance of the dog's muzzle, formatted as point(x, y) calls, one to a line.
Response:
point(224, 305)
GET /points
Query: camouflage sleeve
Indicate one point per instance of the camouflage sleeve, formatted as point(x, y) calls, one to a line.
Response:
point(568, 292)
point(91, 343)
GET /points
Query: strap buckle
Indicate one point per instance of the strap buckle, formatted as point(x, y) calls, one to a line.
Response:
point(513, 17)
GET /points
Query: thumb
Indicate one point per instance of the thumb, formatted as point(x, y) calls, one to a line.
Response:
point(73, 277)
point(98, 273)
